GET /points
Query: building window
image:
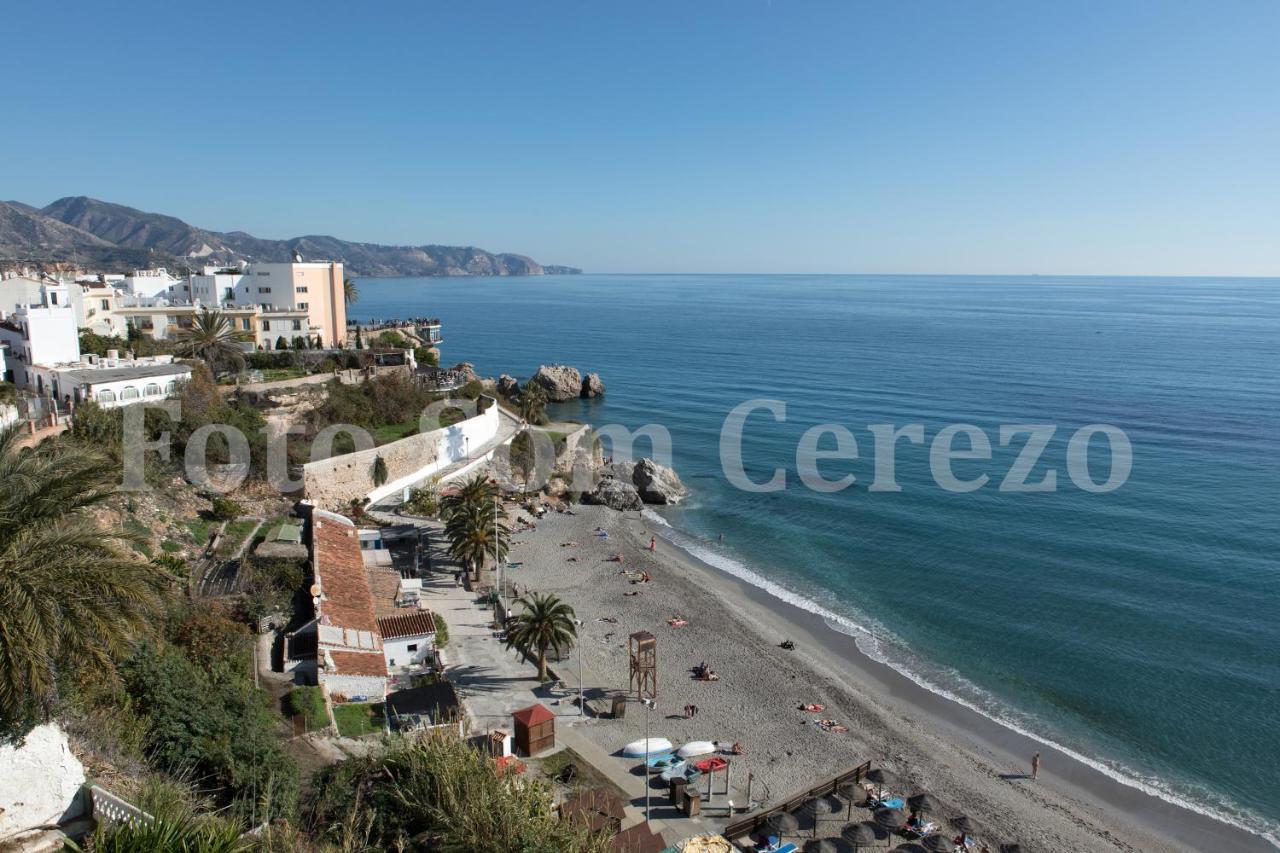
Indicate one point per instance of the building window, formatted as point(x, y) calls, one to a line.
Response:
point(302, 306)
point(262, 273)
point(106, 396)
point(106, 305)
point(244, 324)
point(297, 325)
point(302, 289)
point(171, 386)
point(264, 290)
point(413, 647)
point(153, 389)
point(129, 393)
point(266, 325)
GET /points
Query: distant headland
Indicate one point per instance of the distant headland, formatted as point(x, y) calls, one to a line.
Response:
point(83, 231)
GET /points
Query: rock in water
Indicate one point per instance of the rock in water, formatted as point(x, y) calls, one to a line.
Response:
point(657, 484)
point(615, 494)
point(560, 381)
point(592, 385)
point(508, 386)
point(467, 369)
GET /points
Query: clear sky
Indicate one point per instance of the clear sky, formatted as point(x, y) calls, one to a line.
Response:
point(1126, 136)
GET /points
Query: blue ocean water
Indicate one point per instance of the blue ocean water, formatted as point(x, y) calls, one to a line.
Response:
point(1139, 628)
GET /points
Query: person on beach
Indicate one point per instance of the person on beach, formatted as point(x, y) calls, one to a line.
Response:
point(1035, 765)
point(653, 543)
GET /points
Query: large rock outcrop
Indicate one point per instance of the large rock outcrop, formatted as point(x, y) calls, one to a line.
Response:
point(615, 494)
point(560, 381)
point(656, 483)
point(507, 385)
point(592, 385)
point(40, 782)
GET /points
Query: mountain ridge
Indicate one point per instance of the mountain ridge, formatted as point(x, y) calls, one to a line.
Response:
point(84, 229)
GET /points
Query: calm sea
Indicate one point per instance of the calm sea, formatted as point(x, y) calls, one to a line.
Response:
point(1139, 628)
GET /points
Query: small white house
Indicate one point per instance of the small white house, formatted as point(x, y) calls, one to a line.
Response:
point(408, 640)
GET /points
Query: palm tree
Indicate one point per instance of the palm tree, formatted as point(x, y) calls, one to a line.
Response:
point(212, 337)
point(476, 531)
point(478, 491)
point(532, 402)
point(70, 594)
point(545, 622)
point(350, 293)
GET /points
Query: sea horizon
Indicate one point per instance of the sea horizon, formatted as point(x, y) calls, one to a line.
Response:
point(1186, 377)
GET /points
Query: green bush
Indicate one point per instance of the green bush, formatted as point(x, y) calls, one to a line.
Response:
point(224, 509)
point(309, 702)
point(442, 631)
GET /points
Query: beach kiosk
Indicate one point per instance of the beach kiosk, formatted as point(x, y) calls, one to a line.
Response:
point(535, 729)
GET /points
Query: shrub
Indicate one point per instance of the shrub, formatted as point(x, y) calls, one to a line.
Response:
point(442, 631)
point(379, 471)
point(309, 702)
point(392, 339)
point(224, 509)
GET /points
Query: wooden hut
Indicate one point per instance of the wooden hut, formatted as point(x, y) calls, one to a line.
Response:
point(535, 729)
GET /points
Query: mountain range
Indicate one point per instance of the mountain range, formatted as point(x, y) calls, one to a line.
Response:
point(89, 233)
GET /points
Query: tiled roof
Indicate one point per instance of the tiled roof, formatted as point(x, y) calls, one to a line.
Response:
point(385, 586)
point(533, 715)
point(372, 664)
point(339, 569)
point(416, 624)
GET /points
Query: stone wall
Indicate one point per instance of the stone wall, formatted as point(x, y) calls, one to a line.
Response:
point(335, 482)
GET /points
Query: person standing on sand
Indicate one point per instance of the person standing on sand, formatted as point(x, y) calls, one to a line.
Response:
point(1035, 765)
point(653, 543)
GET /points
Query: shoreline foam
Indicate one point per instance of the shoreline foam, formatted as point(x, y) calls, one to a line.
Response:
point(704, 552)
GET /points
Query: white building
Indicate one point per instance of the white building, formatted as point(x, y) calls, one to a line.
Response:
point(111, 381)
point(95, 304)
point(18, 291)
point(43, 333)
point(408, 640)
point(154, 282)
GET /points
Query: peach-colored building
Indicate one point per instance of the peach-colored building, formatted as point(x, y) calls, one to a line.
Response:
point(313, 287)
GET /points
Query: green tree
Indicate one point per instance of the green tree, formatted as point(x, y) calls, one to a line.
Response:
point(350, 293)
point(532, 403)
point(282, 343)
point(299, 342)
point(379, 471)
point(473, 524)
point(544, 623)
point(72, 597)
point(359, 339)
point(214, 339)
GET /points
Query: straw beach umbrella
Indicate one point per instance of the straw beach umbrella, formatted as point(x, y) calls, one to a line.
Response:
point(909, 847)
point(890, 818)
point(965, 825)
point(820, 807)
point(850, 791)
point(1010, 848)
point(822, 845)
point(861, 835)
point(880, 778)
point(938, 844)
point(925, 803)
point(784, 823)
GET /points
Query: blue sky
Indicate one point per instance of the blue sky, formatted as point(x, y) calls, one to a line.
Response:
point(709, 136)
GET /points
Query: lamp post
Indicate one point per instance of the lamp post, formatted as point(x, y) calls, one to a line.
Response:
point(582, 708)
point(644, 774)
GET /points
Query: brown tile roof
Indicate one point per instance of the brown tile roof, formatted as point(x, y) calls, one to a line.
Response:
point(407, 625)
point(359, 663)
point(533, 715)
point(339, 569)
point(638, 839)
point(385, 586)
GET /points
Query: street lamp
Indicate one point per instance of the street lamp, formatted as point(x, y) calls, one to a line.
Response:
point(649, 704)
point(582, 708)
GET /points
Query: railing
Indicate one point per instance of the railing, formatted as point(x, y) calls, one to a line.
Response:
point(757, 820)
point(108, 809)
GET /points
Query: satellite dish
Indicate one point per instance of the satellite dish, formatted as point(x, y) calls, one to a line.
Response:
point(315, 590)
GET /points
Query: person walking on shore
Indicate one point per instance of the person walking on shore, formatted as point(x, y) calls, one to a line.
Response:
point(1035, 765)
point(653, 543)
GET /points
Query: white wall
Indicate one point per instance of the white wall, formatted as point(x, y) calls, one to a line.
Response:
point(39, 781)
point(453, 443)
point(354, 685)
point(398, 653)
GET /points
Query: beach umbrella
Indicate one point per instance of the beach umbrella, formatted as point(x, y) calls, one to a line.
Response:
point(1010, 848)
point(850, 791)
point(909, 847)
point(822, 845)
point(890, 818)
point(880, 778)
point(965, 825)
point(862, 834)
point(820, 807)
point(925, 803)
point(785, 823)
point(938, 844)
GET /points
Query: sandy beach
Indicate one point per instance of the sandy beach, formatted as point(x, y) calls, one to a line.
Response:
point(975, 766)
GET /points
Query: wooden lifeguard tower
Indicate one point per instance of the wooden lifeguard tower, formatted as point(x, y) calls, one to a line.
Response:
point(644, 664)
